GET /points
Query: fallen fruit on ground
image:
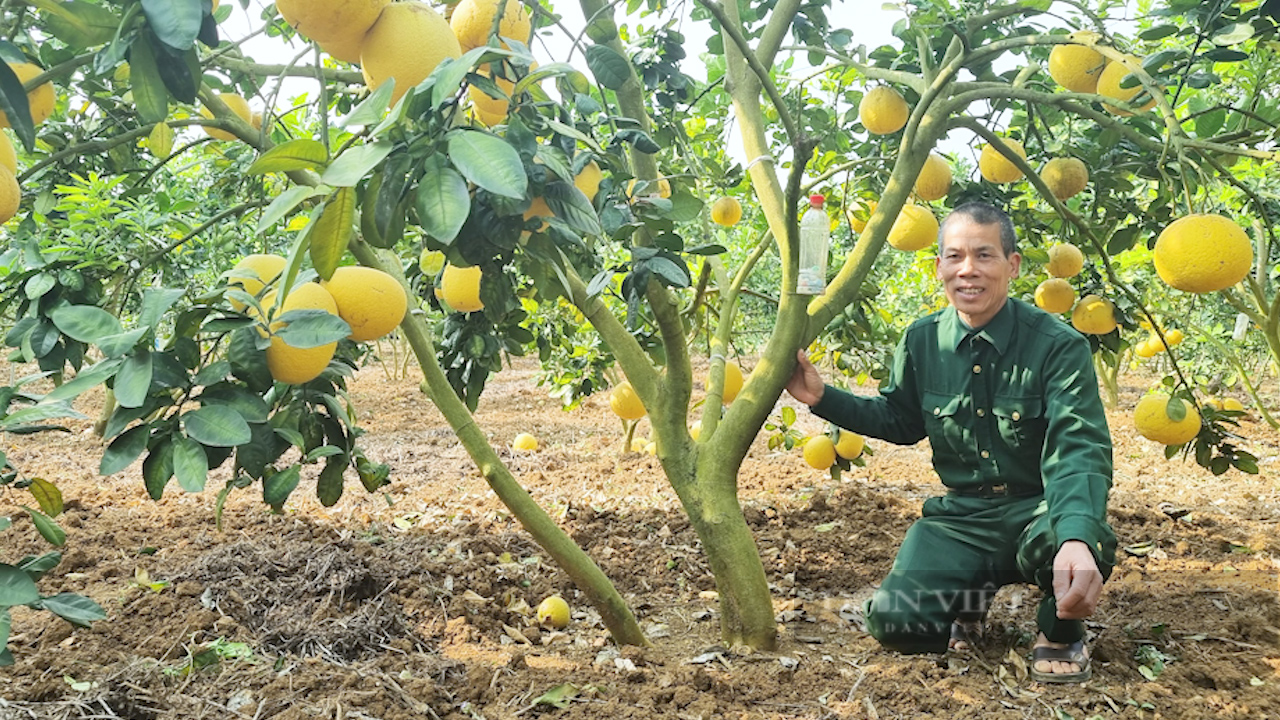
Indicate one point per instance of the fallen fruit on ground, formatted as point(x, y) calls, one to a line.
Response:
point(850, 445)
point(371, 301)
point(460, 288)
point(726, 211)
point(406, 43)
point(525, 442)
point(998, 169)
point(1065, 176)
point(625, 402)
point(1094, 315)
point(1151, 418)
point(252, 273)
point(1110, 80)
point(1065, 261)
point(289, 364)
point(883, 110)
point(1203, 253)
point(1076, 67)
point(1055, 295)
point(934, 180)
point(819, 452)
point(914, 229)
point(553, 612)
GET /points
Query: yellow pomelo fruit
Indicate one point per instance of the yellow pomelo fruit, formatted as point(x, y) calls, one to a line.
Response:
point(850, 445)
point(1055, 295)
point(934, 181)
point(1065, 260)
point(39, 99)
point(238, 105)
point(695, 430)
point(473, 19)
point(820, 452)
point(1214, 403)
point(1147, 348)
point(1174, 337)
point(487, 107)
point(1203, 253)
point(252, 273)
point(525, 443)
point(1094, 315)
point(638, 444)
point(732, 381)
point(1065, 176)
point(625, 402)
point(431, 262)
point(407, 42)
point(553, 612)
point(538, 208)
point(8, 156)
point(726, 211)
point(588, 180)
point(371, 301)
point(1109, 85)
point(854, 210)
point(1232, 404)
point(460, 288)
point(1152, 420)
point(883, 110)
point(997, 168)
point(330, 20)
point(662, 187)
point(1076, 67)
point(346, 49)
point(293, 365)
point(651, 448)
point(10, 195)
point(914, 229)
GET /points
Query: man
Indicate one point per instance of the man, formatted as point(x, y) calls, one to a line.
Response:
point(1007, 396)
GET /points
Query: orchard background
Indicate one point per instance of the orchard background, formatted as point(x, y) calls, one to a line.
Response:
point(600, 228)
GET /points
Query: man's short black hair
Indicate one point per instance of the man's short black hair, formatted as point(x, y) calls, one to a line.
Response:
point(981, 213)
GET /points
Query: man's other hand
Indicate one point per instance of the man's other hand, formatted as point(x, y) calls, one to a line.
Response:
point(806, 384)
point(1077, 582)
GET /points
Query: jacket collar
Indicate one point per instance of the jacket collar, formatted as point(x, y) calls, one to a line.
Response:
point(999, 332)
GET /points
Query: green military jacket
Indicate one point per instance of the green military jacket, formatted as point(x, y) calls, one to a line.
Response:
point(1013, 403)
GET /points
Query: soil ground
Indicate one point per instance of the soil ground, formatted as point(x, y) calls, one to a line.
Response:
point(418, 602)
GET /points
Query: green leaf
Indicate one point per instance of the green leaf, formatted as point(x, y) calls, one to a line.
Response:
point(488, 161)
point(312, 328)
point(1208, 124)
point(113, 346)
point(329, 484)
point(37, 413)
point(13, 102)
point(75, 609)
point(277, 488)
point(442, 201)
point(300, 154)
point(150, 95)
point(175, 22)
point(155, 303)
point(216, 426)
point(569, 204)
point(124, 450)
point(160, 141)
point(85, 323)
point(450, 74)
point(372, 108)
point(285, 202)
point(1176, 409)
point(88, 378)
point(561, 696)
point(133, 382)
point(1233, 34)
point(1158, 32)
point(47, 496)
point(610, 69)
point(351, 166)
point(40, 284)
point(249, 405)
point(16, 587)
point(190, 464)
point(37, 567)
point(331, 233)
point(80, 24)
point(47, 528)
point(157, 467)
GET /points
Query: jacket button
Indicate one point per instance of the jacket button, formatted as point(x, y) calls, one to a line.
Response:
point(937, 411)
point(1016, 415)
point(981, 412)
point(985, 454)
point(977, 369)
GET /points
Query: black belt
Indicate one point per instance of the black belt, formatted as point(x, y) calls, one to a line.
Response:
point(997, 490)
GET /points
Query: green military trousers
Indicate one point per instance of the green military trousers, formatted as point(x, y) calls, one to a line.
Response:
point(953, 560)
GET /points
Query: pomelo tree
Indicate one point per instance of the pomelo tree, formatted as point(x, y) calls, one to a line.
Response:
point(488, 159)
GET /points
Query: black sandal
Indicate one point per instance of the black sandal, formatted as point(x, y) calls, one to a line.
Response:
point(1073, 653)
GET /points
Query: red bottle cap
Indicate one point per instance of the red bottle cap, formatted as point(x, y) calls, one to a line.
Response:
point(816, 200)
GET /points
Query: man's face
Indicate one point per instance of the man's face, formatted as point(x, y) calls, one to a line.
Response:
point(974, 269)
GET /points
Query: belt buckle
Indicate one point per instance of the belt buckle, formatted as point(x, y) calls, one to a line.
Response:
point(999, 490)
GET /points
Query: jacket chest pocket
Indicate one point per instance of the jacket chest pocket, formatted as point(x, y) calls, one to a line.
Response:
point(1020, 419)
point(945, 423)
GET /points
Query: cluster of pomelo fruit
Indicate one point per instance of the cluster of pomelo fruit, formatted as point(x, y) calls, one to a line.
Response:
point(820, 451)
point(370, 301)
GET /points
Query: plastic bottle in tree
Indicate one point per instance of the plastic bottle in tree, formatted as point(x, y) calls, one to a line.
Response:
point(815, 242)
